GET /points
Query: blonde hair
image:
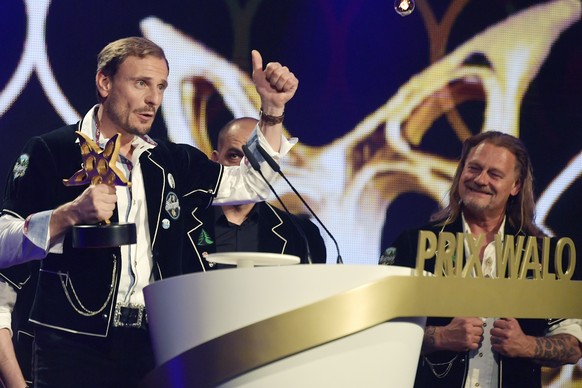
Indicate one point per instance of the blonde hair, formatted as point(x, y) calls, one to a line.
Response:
point(520, 209)
point(113, 55)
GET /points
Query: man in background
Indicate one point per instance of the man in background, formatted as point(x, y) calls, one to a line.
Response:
point(491, 194)
point(250, 227)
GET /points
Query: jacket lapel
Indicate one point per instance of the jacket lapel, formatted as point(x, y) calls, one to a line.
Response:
point(271, 227)
point(155, 187)
point(200, 234)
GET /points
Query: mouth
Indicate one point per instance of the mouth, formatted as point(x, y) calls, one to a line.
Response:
point(478, 191)
point(146, 115)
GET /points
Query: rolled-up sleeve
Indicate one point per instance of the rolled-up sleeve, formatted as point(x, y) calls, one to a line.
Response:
point(25, 240)
point(242, 184)
point(7, 301)
point(567, 326)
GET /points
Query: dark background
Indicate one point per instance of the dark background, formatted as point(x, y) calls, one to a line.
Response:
point(350, 57)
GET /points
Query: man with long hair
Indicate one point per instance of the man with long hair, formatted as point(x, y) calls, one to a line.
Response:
point(519, 206)
point(491, 194)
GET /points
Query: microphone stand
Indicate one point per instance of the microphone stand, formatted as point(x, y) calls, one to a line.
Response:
point(257, 167)
point(277, 169)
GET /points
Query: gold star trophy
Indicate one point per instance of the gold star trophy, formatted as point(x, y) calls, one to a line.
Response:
point(100, 166)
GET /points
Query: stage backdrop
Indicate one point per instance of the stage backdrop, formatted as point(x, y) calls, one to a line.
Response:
point(383, 106)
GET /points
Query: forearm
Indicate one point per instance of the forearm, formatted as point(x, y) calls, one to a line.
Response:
point(62, 219)
point(429, 340)
point(241, 184)
point(557, 350)
point(271, 125)
point(10, 372)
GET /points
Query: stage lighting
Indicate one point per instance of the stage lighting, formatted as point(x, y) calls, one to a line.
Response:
point(404, 7)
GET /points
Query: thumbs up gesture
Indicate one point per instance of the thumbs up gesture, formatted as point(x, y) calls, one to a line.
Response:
point(276, 84)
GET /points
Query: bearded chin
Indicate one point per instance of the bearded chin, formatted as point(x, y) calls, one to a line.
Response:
point(473, 205)
point(139, 132)
point(122, 118)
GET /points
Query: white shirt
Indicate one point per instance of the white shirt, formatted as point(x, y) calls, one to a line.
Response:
point(483, 369)
point(483, 363)
point(238, 185)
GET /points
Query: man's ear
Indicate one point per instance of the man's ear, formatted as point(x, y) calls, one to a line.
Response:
point(214, 156)
point(103, 83)
point(516, 188)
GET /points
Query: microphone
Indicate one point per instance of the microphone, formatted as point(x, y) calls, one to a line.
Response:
point(257, 167)
point(277, 169)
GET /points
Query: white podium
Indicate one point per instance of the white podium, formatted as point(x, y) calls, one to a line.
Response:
point(191, 310)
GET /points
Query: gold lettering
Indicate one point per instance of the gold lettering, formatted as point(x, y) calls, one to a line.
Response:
point(558, 259)
point(508, 254)
point(530, 260)
point(444, 254)
point(458, 262)
point(546, 274)
point(515, 259)
point(473, 260)
point(425, 249)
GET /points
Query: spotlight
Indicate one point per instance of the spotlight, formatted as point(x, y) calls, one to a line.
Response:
point(404, 7)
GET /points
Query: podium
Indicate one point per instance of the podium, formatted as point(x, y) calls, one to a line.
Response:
point(289, 326)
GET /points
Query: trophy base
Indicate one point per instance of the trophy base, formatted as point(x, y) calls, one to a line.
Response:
point(103, 236)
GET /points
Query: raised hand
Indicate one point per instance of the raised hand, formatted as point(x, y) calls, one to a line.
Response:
point(276, 84)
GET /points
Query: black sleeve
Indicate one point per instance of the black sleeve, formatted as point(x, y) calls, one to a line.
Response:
point(402, 251)
point(18, 275)
point(199, 175)
point(31, 182)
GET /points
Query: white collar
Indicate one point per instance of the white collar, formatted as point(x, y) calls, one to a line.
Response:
point(467, 229)
point(88, 126)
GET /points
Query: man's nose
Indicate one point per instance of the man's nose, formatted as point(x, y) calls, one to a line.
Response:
point(154, 97)
point(481, 178)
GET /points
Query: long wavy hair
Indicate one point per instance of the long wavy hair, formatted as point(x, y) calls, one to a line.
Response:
point(520, 209)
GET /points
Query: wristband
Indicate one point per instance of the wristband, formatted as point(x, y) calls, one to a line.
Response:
point(270, 120)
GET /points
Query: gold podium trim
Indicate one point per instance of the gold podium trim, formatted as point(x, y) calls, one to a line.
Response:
point(360, 308)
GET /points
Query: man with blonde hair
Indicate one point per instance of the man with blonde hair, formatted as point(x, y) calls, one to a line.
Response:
point(491, 194)
point(88, 313)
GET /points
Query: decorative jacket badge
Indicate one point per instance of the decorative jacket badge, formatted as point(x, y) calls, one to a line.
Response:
point(388, 257)
point(171, 181)
point(204, 238)
point(172, 205)
point(21, 166)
